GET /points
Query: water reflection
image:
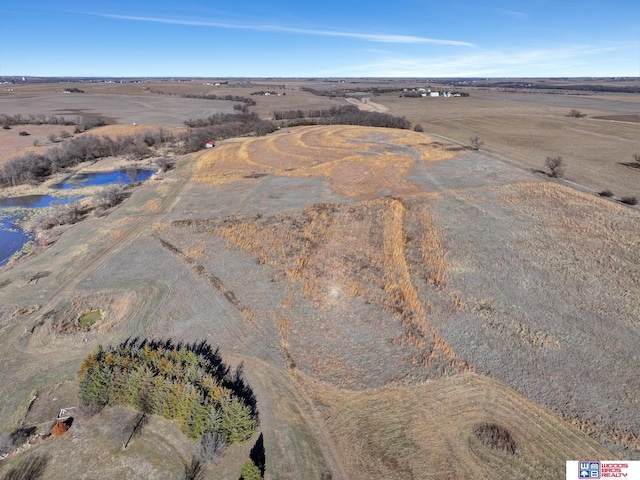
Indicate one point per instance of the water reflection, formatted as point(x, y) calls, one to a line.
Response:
point(11, 239)
point(103, 178)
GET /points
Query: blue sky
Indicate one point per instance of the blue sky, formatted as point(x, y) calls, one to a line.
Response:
point(296, 38)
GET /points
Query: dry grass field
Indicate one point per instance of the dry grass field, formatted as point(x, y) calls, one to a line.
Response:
point(427, 431)
point(528, 128)
point(389, 294)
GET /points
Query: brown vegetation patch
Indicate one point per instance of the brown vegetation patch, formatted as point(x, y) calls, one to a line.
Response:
point(331, 254)
point(358, 161)
point(520, 332)
point(495, 436)
point(627, 442)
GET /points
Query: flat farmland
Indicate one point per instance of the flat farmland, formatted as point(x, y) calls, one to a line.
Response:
point(529, 127)
point(143, 109)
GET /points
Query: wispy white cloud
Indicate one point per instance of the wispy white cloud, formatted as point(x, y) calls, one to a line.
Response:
point(558, 61)
point(514, 14)
point(369, 37)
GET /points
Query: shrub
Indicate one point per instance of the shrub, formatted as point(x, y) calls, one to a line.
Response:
point(606, 193)
point(555, 165)
point(15, 439)
point(476, 142)
point(193, 470)
point(212, 447)
point(629, 200)
point(163, 163)
point(418, 128)
point(576, 114)
point(109, 196)
point(636, 157)
point(24, 134)
point(250, 471)
point(30, 467)
point(495, 436)
point(6, 127)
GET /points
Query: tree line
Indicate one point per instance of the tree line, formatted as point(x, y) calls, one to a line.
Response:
point(35, 167)
point(82, 123)
point(225, 125)
point(184, 382)
point(249, 102)
point(344, 115)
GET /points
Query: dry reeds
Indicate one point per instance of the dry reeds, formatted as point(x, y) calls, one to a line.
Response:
point(433, 253)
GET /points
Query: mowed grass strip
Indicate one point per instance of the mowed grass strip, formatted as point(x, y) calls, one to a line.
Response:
point(331, 252)
point(359, 162)
point(427, 431)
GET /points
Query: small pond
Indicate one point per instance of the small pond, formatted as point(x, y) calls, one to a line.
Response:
point(89, 318)
point(11, 239)
point(102, 178)
point(34, 201)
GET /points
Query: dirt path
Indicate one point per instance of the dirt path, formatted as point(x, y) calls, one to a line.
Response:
point(143, 222)
point(306, 451)
point(367, 105)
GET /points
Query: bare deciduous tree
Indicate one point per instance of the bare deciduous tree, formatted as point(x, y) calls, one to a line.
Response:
point(555, 164)
point(476, 142)
point(133, 172)
point(212, 447)
point(193, 471)
point(163, 163)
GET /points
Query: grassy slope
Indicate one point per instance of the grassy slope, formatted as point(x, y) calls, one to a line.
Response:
point(426, 431)
point(360, 423)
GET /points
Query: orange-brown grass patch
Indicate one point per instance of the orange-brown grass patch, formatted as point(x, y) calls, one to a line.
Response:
point(196, 251)
point(433, 253)
point(427, 431)
point(397, 280)
point(357, 161)
point(224, 164)
point(115, 236)
point(152, 206)
point(283, 324)
point(628, 440)
point(401, 293)
point(330, 252)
